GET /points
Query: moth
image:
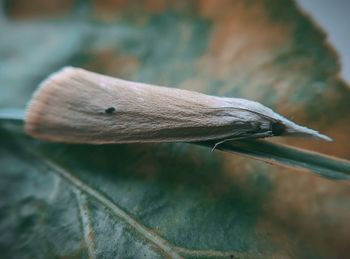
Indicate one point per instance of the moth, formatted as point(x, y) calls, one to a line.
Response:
point(77, 106)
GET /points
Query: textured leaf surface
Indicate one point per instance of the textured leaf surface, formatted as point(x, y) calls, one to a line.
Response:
point(172, 200)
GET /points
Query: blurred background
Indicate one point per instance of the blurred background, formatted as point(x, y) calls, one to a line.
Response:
point(156, 201)
point(333, 17)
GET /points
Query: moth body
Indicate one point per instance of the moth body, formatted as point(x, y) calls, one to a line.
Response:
point(78, 106)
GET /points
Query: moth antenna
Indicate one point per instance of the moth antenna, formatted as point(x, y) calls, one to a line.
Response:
point(256, 135)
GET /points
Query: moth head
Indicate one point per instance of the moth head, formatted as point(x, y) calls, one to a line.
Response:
point(285, 127)
point(276, 124)
point(277, 128)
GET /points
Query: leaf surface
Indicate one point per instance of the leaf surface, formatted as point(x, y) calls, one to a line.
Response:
point(174, 200)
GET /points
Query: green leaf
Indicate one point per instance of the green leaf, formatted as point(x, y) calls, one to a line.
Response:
point(175, 200)
point(323, 165)
point(326, 166)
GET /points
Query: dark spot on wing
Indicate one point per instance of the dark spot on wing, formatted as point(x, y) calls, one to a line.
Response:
point(110, 110)
point(277, 128)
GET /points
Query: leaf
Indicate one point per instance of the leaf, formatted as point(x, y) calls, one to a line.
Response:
point(329, 167)
point(326, 166)
point(174, 200)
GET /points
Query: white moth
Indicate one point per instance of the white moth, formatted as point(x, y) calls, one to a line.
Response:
point(78, 106)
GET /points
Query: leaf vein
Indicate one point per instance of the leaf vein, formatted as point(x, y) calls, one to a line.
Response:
point(161, 243)
point(85, 222)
